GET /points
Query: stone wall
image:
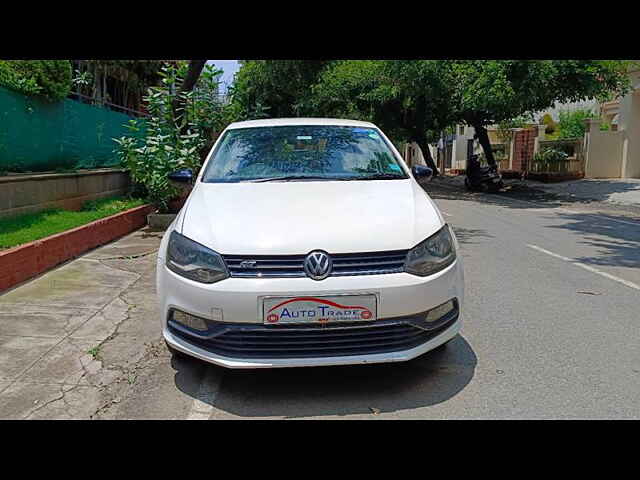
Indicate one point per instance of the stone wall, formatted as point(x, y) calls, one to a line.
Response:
point(27, 193)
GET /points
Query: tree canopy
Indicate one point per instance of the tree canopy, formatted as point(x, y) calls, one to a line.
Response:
point(279, 88)
point(407, 99)
point(489, 92)
point(417, 99)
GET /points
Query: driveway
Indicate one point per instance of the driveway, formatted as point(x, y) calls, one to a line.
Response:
point(553, 290)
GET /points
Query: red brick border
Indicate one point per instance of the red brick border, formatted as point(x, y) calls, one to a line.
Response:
point(26, 261)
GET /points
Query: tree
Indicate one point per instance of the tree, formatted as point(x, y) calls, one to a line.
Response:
point(47, 79)
point(493, 91)
point(407, 99)
point(121, 82)
point(280, 87)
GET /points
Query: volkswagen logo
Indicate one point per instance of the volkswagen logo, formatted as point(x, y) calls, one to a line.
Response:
point(317, 265)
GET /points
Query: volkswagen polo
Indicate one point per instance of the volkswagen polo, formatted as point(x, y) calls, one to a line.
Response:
point(307, 242)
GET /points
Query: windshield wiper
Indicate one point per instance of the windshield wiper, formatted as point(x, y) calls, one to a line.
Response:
point(290, 177)
point(378, 176)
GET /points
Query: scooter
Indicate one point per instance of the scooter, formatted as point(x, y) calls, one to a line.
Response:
point(482, 179)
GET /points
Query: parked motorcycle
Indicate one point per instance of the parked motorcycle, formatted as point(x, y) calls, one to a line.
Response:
point(482, 179)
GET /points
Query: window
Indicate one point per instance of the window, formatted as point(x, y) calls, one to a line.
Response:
point(317, 151)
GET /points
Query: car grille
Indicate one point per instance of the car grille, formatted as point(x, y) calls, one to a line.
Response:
point(371, 263)
point(287, 341)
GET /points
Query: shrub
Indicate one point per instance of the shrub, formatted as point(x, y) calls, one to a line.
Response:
point(164, 149)
point(572, 123)
point(551, 125)
point(550, 155)
point(49, 79)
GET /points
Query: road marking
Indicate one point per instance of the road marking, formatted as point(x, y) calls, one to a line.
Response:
point(587, 267)
point(202, 405)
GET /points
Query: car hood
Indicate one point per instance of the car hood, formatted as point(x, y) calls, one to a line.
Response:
point(288, 218)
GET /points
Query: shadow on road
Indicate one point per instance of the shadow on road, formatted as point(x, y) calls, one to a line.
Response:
point(618, 243)
point(445, 189)
point(616, 236)
point(345, 390)
point(470, 235)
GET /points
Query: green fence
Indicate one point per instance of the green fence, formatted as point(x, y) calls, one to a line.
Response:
point(37, 136)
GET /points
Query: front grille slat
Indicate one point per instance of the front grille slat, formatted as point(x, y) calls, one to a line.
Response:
point(364, 264)
point(303, 348)
point(320, 335)
point(282, 266)
point(328, 340)
point(269, 341)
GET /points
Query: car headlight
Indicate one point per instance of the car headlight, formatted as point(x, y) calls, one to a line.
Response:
point(434, 254)
point(194, 261)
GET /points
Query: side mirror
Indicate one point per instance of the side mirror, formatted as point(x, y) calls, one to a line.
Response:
point(421, 173)
point(182, 178)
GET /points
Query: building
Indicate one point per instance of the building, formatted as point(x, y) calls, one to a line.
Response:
point(615, 153)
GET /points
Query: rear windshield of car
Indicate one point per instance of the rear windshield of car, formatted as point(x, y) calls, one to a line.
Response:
point(315, 152)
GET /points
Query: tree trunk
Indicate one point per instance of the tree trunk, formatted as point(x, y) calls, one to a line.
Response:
point(483, 138)
point(426, 153)
point(193, 73)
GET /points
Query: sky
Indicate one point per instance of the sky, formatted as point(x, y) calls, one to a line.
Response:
point(230, 67)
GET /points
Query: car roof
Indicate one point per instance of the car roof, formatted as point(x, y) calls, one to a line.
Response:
point(281, 122)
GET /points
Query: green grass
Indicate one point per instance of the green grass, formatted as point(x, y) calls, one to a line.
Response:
point(34, 226)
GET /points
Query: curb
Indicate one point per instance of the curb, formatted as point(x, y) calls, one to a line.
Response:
point(23, 262)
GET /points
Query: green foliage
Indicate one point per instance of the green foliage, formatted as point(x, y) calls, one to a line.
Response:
point(34, 226)
point(164, 149)
point(550, 155)
point(572, 123)
point(48, 79)
point(275, 88)
point(411, 100)
point(551, 125)
point(491, 91)
point(11, 79)
point(81, 80)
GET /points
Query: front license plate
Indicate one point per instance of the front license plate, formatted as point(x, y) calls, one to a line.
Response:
point(308, 309)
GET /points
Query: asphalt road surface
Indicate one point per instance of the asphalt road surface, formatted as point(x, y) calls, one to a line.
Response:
point(550, 332)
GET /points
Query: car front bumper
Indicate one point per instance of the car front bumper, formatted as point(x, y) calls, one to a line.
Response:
point(237, 302)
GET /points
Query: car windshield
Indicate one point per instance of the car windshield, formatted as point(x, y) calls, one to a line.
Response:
point(302, 152)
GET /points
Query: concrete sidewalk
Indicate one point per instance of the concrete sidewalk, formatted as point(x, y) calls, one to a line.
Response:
point(71, 337)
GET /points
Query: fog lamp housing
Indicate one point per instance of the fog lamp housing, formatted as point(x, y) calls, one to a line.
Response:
point(189, 321)
point(440, 311)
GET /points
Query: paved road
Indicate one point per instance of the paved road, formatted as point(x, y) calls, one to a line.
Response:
point(551, 331)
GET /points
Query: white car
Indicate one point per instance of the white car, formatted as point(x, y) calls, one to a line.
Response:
point(307, 242)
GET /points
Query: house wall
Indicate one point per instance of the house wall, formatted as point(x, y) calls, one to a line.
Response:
point(629, 123)
point(616, 154)
point(603, 155)
point(459, 155)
